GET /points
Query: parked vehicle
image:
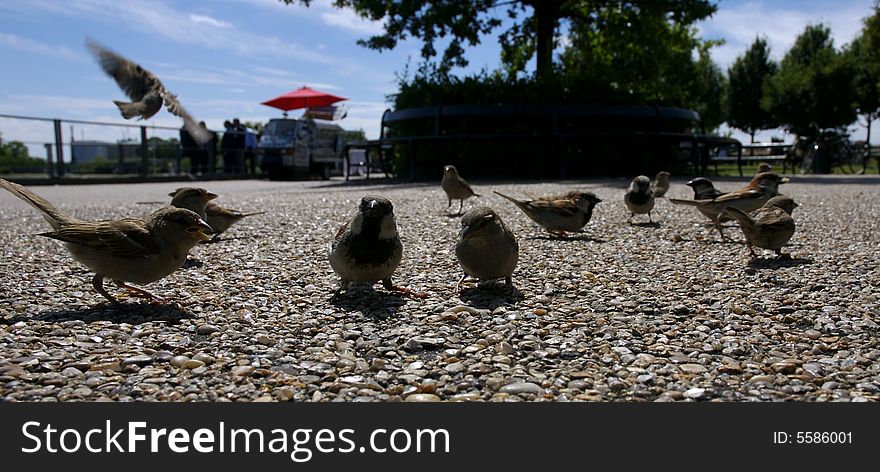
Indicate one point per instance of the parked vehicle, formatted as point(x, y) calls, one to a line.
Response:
point(302, 148)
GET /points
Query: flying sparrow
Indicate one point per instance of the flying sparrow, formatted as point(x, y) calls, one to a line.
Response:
point(455, 187)
point(144, 89)
point(771, 227)
point(660, 184)
point(486, 248)
point(763, 187)
point(367, 248)
point(220, 219)
point(638, 198)
point(559, 214)
point(138, 250)
point(193, 199)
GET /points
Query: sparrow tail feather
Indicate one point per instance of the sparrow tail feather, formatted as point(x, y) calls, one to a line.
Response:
point(54, 216)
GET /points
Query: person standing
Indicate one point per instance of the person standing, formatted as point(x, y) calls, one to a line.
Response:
point(190, 149)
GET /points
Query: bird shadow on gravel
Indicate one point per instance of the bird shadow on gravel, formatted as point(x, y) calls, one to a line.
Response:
point(773, 263)
point(372, 303)
point(131, 313)
point(652, 224)
point(576, 237)
point(490, 296)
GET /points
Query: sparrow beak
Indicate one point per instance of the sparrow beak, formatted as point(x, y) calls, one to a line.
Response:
point(466, 232)
point(785, 180)
point(200, 231)
point(209, 196)
point(598, 200)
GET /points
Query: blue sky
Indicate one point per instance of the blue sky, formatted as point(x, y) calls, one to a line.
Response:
point(224, 57)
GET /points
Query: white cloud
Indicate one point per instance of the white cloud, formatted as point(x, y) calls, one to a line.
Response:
point(29, 45)
point(344, 19)
point(208, 21)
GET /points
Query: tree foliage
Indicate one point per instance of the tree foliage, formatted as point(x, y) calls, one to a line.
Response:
point(813, 87)
point(864, 56)
point(532, 26)
point(14, 158)
point(746, 78)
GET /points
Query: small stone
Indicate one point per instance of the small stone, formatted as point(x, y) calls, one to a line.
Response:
point(177, 361)
point(731, 368)
point(192, 364)
point(504, 347)
point(207, 329)
point(265, 340)
point(692, 368)
point(695, 392)
point(203, 358)
point(71, 372)
point(139, 360)
point(243, 370)
point(455, 368)
point(422, 398)
point(783, 367)
point(284, 394)
point(521, 387)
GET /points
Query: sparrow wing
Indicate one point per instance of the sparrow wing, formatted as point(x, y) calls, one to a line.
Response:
point(172, 104)
point(127, 238)
point(744, 194)
point(217, 210)
point(561, 207)
point(134, 80)
point(340, 232)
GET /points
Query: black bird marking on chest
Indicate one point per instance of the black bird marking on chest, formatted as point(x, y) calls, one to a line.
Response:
point(638, 198)
point(366, 248)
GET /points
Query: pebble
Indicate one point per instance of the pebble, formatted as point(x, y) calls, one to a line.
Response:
point(692, 368)
point(422, 398)
point(521, 387)
point(191, 364)
point(139, 360)
point(206, 329)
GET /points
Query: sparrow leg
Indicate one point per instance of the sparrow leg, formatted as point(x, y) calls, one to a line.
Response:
point(780, 255)
point(649, 218)
point(460, 205)
point(752, 251)
point(138, 292)
point(508, 281)
point(343, 284)
point(98, 283)
point(630, 220)
point(460, 281)
point(558, 233)
point(449, 204)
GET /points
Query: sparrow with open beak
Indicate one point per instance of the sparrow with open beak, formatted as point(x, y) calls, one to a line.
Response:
point(486, 248)
point(638, 198)
point(367, 248)
point(137, 250)
point(771, 227)
point(762, 187)
point(559, 214)
point(456, 188)
point(221, 218)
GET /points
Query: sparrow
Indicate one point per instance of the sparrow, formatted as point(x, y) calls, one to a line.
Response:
point(660, 184)
point(367, 248)
point(193, 199)
point(638, 198)
point(763, 187)
point(220, 219)
point(557, 215)
point(705, 190)
point(764, 167)
point(485, 247)
point(455, 187)
point(144, 89)
point(771, 227)
point(138, 250)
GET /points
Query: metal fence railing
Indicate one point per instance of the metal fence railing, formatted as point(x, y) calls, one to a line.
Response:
point(74, 148)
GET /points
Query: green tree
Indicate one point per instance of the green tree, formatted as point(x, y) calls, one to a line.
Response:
point(813, 87)
point(533, 25)
point(639, 51)
point(745, 90)
point(14, 158)
point(864, 55)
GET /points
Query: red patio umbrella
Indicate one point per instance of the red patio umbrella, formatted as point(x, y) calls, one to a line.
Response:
point(302, 97)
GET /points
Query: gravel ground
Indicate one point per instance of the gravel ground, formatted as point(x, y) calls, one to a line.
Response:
point(620, 312)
